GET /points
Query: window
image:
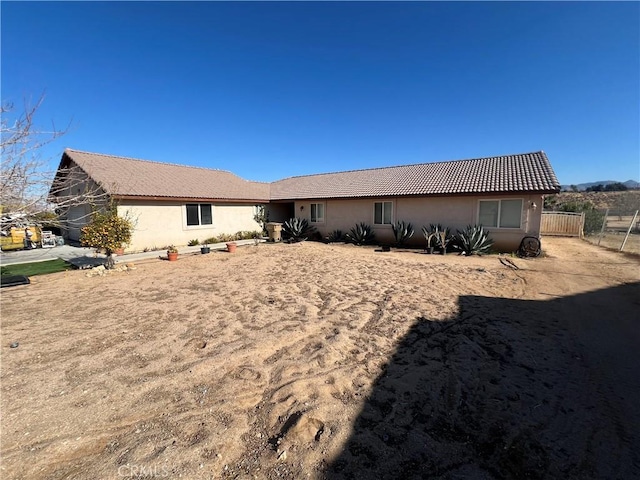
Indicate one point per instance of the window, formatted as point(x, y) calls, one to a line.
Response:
point(382, 213)
point(317, 213)
point(199, 214)
point(500, 213)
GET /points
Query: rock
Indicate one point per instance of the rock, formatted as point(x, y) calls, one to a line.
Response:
point(196, 344)
point(306, 430)
point(14, 345)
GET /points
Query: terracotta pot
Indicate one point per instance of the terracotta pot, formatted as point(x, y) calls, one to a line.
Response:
point(231, 247)
point(119, 251)
point(173, 256)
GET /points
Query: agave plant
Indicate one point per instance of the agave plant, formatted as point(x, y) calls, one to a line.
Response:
point(335, 236)
point(437, 236)
point(472, 240)
point(442, 235)
point(361, 234)
point(402, 232)
point(297, 229)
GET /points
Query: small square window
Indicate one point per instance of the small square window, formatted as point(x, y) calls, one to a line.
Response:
point(382, 213)
point(199, 214)
point(317, 212)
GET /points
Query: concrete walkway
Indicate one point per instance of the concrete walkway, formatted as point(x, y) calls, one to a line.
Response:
point(84, 257)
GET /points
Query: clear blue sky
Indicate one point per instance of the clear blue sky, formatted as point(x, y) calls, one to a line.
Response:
point(271, 90)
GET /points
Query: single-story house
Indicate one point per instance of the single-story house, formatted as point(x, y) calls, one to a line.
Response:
point(176, 203)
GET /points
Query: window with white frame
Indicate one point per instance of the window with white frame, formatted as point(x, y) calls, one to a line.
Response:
point(383, 213)
point(500, 213)
point(199, 214)
point(317, 213)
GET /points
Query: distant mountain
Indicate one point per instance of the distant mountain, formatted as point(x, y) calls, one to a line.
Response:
point(632, 184)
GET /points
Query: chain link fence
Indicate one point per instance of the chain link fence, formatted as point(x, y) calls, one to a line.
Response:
point(619, 230)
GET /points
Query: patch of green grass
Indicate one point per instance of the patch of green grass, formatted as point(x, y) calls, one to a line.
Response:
point(36, 268)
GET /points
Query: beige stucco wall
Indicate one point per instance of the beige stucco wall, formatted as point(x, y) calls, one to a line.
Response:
point(158, 225)
point(453, 212)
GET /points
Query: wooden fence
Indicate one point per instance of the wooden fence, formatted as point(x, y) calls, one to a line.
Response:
point(567, 224)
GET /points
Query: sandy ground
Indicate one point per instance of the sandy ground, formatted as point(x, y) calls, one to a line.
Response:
point(328, 362)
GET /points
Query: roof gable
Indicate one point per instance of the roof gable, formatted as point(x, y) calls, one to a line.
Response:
point(528, 172)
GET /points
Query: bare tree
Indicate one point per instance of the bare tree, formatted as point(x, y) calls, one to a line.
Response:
point(28, 188)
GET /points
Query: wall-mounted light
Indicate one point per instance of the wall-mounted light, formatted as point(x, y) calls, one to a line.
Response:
point(532, 205)
point(301, 207)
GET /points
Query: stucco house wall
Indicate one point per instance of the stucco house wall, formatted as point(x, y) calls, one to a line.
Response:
point(455, 212)
point(162, 224)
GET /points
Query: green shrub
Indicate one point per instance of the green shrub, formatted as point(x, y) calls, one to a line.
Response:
point(297, 229)
point(593, 218)
point(194, 242)
point(402, 232)
point(472, 240)
point(361, 234)
point(248, 235)
point(262, 217)
point(225, 237)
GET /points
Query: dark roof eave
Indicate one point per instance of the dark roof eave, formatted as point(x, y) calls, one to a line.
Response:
point(418, 195)
point(189, 199)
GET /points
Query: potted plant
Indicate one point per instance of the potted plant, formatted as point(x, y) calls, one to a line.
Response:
point(205, 248)
point(172, 253)
point(231, 247)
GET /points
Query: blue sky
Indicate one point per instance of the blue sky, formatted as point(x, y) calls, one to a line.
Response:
point(269, 90)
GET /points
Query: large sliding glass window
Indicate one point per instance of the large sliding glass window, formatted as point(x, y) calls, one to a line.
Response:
point(500, 213)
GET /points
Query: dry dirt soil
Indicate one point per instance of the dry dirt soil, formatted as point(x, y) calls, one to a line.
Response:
point(327, 362)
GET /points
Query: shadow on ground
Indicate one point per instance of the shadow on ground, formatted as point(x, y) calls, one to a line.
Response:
point(508, 389)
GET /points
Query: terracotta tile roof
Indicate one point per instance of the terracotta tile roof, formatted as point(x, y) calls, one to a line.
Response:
point(121, 176)
point(527, 172)
point(128, 177)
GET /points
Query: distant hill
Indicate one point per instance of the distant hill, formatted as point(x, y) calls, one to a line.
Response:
point(625, 202)
point(632, 184)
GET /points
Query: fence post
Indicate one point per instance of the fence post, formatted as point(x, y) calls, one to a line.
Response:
point(604, 224)
point(629, 230)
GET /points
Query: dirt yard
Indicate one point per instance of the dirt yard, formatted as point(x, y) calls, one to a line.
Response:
point(327, 362)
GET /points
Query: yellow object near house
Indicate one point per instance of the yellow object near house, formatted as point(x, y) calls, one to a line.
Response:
point(15, 240)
